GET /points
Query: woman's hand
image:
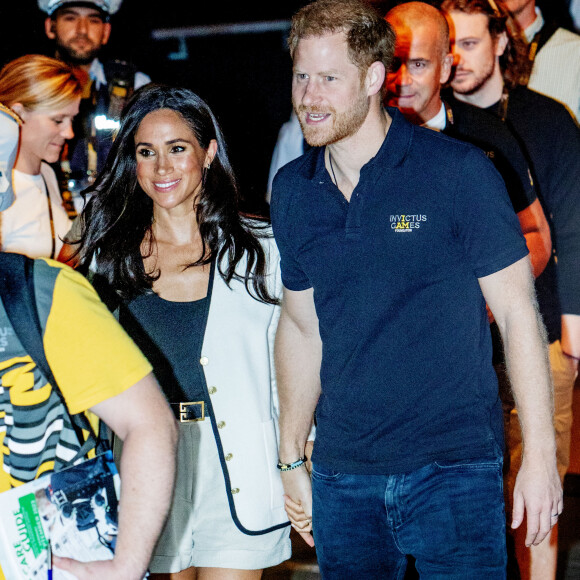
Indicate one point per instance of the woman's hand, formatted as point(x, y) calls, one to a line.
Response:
point(298, 501)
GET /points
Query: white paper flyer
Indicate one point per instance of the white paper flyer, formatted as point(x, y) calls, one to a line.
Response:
point(74, 512)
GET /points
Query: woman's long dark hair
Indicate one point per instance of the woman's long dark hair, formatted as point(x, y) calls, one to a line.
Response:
point(119, 215)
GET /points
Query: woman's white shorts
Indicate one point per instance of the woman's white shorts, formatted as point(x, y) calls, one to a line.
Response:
point(200, 531)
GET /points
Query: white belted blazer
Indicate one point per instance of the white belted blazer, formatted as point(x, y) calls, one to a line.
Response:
point(237, 361)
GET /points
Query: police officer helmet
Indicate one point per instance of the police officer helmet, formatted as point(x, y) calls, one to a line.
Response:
point(105, 6)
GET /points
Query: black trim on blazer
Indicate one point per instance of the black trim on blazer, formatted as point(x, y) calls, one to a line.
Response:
point(212, 418)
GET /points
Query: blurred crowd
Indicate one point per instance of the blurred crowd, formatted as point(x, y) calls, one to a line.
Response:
point(222, 348)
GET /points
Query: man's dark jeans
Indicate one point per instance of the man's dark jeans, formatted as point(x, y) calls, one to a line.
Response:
point(448, 515)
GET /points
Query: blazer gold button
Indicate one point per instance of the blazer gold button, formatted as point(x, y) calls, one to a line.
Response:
point(212, 390)
point(236, 490)
point(203, 360)
point(229, 456)
point(221, 424)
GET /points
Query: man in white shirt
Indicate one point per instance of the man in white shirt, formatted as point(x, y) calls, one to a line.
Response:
point(555, 52)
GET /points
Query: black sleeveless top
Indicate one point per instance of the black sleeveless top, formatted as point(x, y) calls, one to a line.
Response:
point(166, 333)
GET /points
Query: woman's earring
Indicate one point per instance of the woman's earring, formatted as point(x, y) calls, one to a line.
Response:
point(204, 175)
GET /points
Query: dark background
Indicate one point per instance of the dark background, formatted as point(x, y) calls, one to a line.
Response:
point(245, 78)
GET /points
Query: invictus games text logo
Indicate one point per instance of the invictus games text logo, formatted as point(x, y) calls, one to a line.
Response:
point(407, 222)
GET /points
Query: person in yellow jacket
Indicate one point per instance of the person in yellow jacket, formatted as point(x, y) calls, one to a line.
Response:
point(99, 369)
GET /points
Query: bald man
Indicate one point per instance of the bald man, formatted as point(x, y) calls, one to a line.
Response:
point(421, 67)
point(422, 64)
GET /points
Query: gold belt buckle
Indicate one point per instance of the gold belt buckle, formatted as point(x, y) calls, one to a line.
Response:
point(184, 412)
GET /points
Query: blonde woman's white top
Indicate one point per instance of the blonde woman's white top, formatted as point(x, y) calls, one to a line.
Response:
point(25, 225)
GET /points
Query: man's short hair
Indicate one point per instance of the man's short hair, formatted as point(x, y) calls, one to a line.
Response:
point(514, 62)
point(369, 37)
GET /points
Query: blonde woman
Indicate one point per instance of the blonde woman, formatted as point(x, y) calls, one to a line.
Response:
point(45, 94)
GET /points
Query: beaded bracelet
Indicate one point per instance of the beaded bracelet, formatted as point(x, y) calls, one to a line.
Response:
point(289, 466)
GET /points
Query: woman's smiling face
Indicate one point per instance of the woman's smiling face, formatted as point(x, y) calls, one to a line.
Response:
point(43, 135)
point(170, 160)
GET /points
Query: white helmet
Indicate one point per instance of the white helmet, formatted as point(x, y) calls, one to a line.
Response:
point(107, 6)
point(9, 136)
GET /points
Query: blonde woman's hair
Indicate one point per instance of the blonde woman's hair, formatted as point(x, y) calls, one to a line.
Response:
point(39, 83)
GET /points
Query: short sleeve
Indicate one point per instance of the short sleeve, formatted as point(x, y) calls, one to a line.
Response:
point(485, 130)
point(514, 169)
point(484, 217)
point(91, 356)
point(293, 276)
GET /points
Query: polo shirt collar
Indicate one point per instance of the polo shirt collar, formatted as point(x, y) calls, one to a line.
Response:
point(392, 153)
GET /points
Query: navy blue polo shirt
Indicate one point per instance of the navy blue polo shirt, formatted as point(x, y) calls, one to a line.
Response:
point(406, 368)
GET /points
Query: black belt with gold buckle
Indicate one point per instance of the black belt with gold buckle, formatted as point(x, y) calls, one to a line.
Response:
point(189, 412)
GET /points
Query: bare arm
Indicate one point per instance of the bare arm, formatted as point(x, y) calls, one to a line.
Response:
point(68, 255)
point(298, 352)
point(510, 296)
point(571, 337)
point(537, 233)
point(69, 251)
point(141, 417)
point(538, 239)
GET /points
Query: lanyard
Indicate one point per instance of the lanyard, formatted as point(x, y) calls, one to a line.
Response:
point(51, 218)
point(538, 41)
point(532, 52)
point(503, 104)
point(449, 113)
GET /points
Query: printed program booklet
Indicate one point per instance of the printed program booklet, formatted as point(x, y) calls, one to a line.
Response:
point(73, 512)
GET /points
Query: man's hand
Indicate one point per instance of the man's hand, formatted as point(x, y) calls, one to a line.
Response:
point(538, 493)
point(298, 352)
point(109, 569)
point(298, 501)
